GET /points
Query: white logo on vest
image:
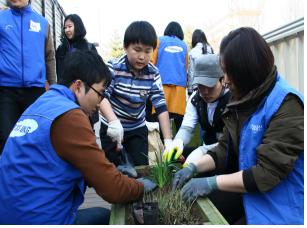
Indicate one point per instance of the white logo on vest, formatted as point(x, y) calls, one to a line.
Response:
point(256, 128)
point(24, 127)
point(173, 49)
point(34, 26)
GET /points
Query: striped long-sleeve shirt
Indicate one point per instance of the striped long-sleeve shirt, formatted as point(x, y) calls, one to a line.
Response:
point(128, 93)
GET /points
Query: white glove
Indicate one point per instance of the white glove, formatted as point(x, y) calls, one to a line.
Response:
point(168, 143)
point(115, 131)
point(173, 150)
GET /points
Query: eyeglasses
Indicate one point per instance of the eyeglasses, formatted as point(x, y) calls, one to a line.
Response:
point(100, 95)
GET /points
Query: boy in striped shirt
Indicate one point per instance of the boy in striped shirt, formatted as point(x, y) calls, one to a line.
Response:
point(134, 79)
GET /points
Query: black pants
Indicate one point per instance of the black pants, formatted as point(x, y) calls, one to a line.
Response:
point(230, 205)
point(135, 142)
point(13, 102)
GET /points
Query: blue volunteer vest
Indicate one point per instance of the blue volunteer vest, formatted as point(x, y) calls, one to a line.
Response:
point(37, 186)
point(284, 204)
point(23, 35)
point(171, 62)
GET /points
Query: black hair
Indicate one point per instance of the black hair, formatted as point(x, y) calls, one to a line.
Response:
point(140, 32)
point(80, 31)
point(246, 58)
point(199, 36)
point(86, 66)
point(174, 29)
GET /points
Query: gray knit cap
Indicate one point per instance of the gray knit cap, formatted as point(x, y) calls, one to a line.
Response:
point(207, 70)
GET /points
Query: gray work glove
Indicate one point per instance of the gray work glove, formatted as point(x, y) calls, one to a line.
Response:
point(183, 175)
point(148, 184)
point(127, 170)
point(198, 187)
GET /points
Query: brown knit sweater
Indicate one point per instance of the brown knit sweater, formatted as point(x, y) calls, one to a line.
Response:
point(75, 142)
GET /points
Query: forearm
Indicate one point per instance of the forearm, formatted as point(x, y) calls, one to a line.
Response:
point(185, 134)
point(205, 164)
point(80, 149)
point(50, 59)
point(231, 182)
point(165, 125)
point(189, 122)
point(106, 110)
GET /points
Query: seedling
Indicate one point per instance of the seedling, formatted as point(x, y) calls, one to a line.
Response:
point(161, 172)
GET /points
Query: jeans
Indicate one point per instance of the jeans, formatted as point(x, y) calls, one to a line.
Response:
point(13, 102)
point(93, 216)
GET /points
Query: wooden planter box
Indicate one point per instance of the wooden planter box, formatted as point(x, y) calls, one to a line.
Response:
point(204, 207)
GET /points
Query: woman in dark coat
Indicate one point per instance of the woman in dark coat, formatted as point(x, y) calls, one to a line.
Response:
point(72, 38)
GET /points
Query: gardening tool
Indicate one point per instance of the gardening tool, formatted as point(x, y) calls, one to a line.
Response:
point(145, 213)
point(126, 166)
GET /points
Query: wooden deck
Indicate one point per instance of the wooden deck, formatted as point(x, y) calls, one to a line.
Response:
point(93, 200)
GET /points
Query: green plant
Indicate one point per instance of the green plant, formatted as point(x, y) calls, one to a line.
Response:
point(161, 171)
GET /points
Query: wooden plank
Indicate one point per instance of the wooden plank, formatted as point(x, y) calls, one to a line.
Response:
point(211, 212)
point(117, 214)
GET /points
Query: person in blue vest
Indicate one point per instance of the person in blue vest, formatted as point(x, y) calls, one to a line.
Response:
point(27, 62)
point(259, 161)
point(44, 175)
point(171, 58)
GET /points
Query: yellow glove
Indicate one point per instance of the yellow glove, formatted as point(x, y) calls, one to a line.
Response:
point(173, 150)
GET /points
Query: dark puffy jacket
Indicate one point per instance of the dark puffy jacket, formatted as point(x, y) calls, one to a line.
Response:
point(65, 48)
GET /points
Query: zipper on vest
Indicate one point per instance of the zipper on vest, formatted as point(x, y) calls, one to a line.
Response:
point(22, 63)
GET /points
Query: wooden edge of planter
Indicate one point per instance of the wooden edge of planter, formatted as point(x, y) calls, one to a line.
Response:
point(211, 212)
point(117, 216)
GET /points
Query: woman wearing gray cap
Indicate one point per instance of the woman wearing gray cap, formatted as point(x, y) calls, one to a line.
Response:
point(205, 106)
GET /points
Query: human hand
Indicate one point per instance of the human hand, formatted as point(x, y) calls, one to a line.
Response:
point(115, 131)
point(183, 175)
point(173, 151)
point(148, 184)
point(198, 187)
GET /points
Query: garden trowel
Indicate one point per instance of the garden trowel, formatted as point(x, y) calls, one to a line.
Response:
point(126, 165)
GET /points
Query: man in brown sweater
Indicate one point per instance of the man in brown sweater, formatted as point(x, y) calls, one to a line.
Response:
point(56, 136)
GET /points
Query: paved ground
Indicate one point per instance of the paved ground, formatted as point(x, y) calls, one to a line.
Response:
point(91, 198)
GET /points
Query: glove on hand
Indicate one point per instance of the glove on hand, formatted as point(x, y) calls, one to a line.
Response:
point(148, 184)
point(183, 175)
point(198, 187)
point(127, 170)
point(173, 151)
point(115, 131)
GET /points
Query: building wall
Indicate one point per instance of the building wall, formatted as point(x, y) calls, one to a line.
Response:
point(2, 3)
point(53, 12)
point(287, 45)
